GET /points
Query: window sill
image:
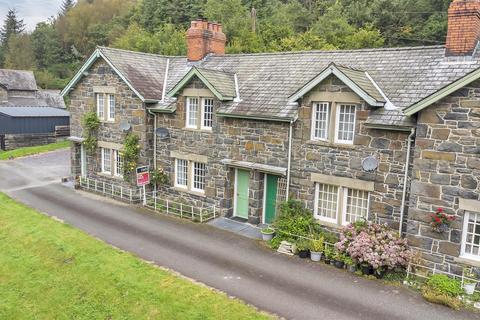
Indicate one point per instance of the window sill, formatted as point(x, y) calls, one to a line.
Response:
point(198, 130)
point(328, 224)
point(196, 193)
point(467, 260)
point(109, 175)
point(331, 144)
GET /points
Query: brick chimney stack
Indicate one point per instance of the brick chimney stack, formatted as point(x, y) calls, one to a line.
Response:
point(463, 27)
point(204, 37)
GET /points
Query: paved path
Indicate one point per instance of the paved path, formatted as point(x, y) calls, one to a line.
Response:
point(242, 267)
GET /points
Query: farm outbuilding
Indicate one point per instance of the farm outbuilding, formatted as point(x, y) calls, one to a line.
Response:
point(30, 124)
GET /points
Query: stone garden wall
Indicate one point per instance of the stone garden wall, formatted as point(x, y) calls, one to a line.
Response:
point(446, 170)
point(15, 141)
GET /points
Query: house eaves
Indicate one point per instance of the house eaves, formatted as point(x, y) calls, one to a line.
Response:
point(84, 69)
point(203, 76)
point(442, 93)
point(332, 69)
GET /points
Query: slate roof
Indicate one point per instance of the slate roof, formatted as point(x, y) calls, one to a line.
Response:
point(395, 118)
point(361, 79)
point(41, 98)
point(266, 80)
point(34, 112)
point(18, 80)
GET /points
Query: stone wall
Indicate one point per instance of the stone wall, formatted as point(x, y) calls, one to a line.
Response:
point(128, 107)
point(15, 141)
point(236, 139)
point(388, 147)
point(446, 169)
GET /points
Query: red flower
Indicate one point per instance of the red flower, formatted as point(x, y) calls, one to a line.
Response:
point(439, 210)
point(437, 219)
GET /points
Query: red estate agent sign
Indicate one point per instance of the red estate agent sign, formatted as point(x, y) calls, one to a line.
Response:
point(143, 176)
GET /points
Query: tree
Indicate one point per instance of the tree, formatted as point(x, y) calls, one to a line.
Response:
point(19, 54)
point(11, 26)
point(66, 6)
point(46, 45)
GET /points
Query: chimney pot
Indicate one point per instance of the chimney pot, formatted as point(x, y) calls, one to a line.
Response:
point(204, 37)
point(463, 27)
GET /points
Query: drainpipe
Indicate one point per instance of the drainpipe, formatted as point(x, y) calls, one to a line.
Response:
point(405, 179)
point(290, 138)
point(154, 138)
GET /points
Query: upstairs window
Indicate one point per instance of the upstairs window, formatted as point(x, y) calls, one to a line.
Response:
point(100, 106)
point(192, 112)
point(111, 107)
point(207, 113)
point(345, 123)
point(333, 122)
point(199, 113)
point(321, 116)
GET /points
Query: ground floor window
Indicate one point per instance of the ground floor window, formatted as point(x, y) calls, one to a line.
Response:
point(112, 162)
point(471, 236)
point(190, 175)
point(340, 205)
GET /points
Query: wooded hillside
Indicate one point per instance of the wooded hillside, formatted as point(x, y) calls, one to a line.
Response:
point(56, 47)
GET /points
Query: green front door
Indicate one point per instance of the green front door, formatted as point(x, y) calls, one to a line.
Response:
point(270, 198)
point(241, 194)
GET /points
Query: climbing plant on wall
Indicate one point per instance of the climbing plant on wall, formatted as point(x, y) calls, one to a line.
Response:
point(90, 123)
point(131, 151)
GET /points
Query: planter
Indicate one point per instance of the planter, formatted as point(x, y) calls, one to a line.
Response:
point(327, 261)
point(267, 236)
point(367, 270)
point(352, 268)
point(339, 264)
point(469, 288)
point(303, 254)
point(441, 228)
point(315, 256)
point(380, 274)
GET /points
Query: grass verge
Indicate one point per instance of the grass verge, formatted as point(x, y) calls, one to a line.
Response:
point(28, 151)
point(50, 270)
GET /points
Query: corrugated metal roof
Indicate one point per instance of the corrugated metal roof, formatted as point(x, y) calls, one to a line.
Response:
point(34, 112)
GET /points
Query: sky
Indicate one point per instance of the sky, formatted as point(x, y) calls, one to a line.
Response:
point(31, 11)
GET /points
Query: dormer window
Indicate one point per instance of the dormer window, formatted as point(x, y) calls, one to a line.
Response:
point(333, 122)
point(199, 113)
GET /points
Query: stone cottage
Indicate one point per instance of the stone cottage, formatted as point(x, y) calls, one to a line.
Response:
point(389, 135)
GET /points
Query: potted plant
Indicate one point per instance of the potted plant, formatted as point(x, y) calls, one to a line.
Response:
point(328, 251)
point(338, 260)
point(441, 221)
point(267, 234)
point(302, 248)
point(470, 281)
point(366, 269)
point(316, 249)
point(350, 263)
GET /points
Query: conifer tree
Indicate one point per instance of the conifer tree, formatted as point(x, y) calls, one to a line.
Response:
point(12, 25)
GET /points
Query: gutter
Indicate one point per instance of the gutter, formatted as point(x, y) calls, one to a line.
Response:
point(290, 138)
point(405, 179)
point(230, 115)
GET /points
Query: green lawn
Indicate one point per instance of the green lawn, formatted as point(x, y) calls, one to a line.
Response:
point(50, 270)
point(27, 151)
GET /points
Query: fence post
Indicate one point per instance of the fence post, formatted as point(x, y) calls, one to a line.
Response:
point(130, 195)
point(201, 215)
point(193, 214)
point(95, 185)
point(167, 206)
point(121, 192)
point(181, 210)
point(214, 212)
point(88, 184)
point(103, 183)
point(155, 200)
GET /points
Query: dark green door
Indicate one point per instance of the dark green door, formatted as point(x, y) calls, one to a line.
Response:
point(241, 196)
point(271, 198)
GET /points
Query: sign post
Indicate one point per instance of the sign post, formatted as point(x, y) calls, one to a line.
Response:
point(143, 178)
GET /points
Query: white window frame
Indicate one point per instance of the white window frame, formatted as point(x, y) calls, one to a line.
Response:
point(188, 110)
point(111, 107)
point(314, 120)
point(118, 158)
point(193, 163)
point(202, 122)
point(104, 152)
point(344, 206)
point(466, 218)
point(185, 186)
point(316, 208)
point(100, 109)
point(337, 122)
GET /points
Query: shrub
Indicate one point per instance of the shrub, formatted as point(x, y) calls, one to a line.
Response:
point(445, 285)
point(317, 245)
point(373, 244)
point(443, 290)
